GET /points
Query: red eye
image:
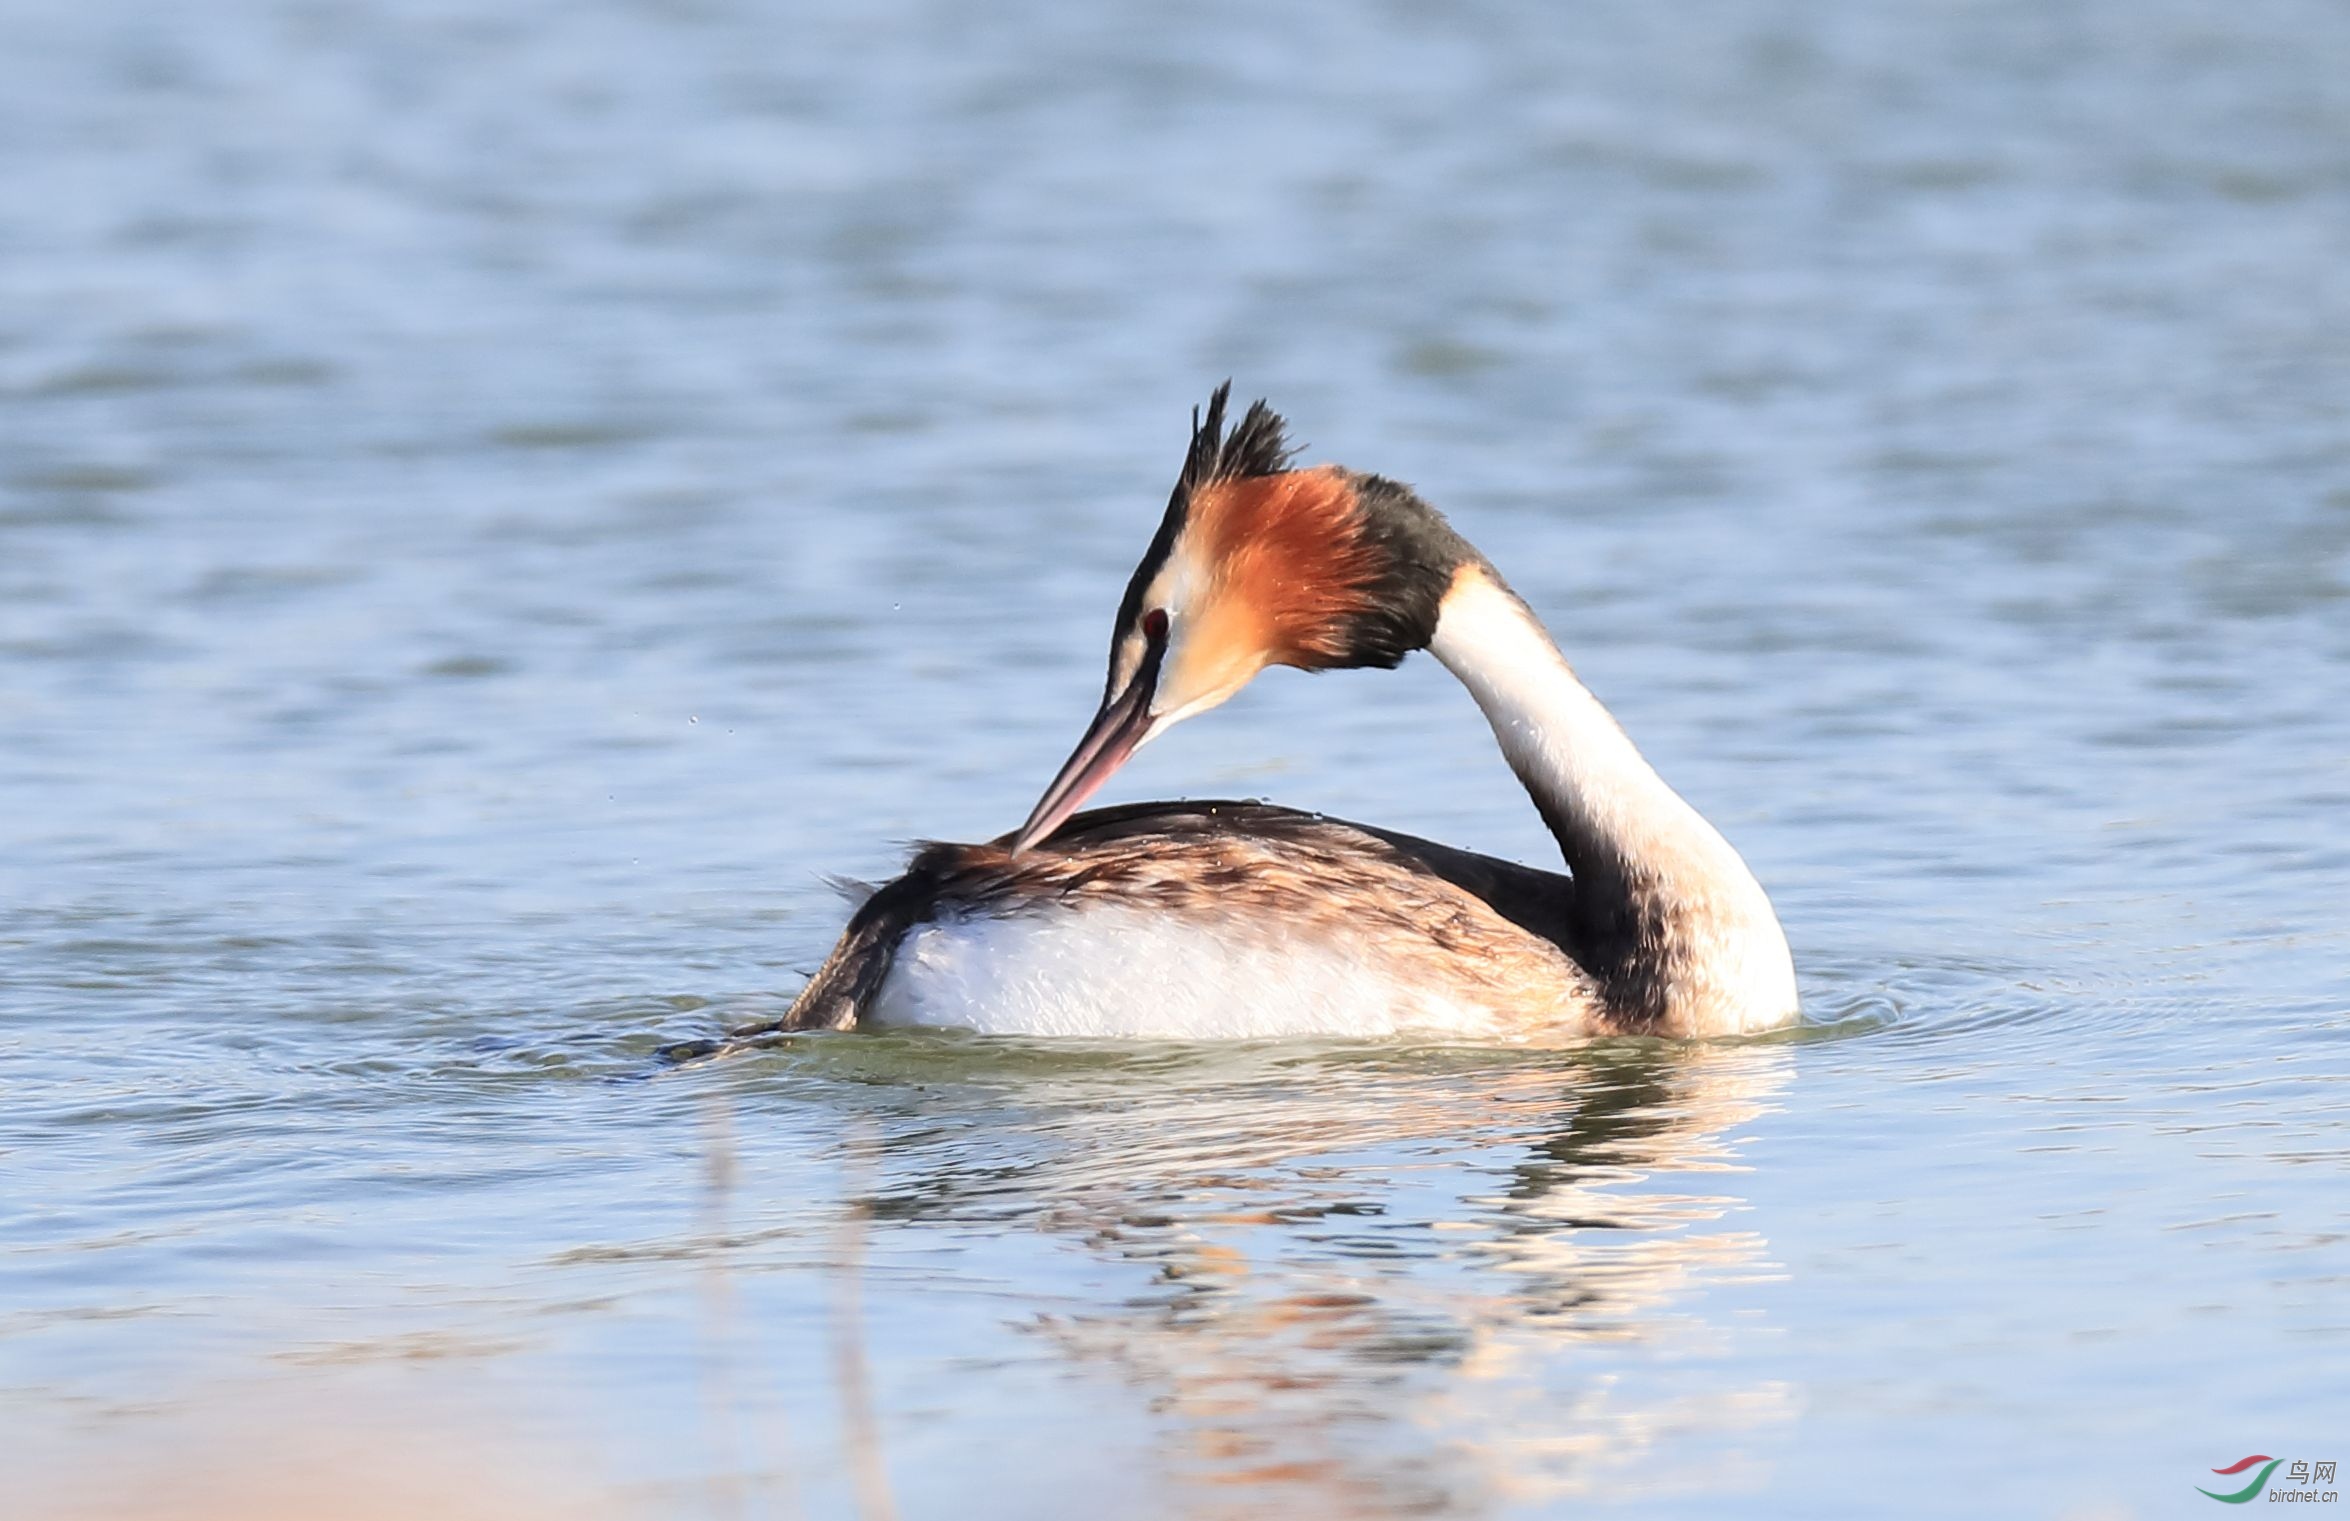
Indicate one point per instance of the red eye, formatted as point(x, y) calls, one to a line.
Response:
point(1154, 625)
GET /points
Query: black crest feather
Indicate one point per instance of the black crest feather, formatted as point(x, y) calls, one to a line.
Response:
point(1259, 446)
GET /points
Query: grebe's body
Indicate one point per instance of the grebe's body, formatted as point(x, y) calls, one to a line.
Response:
point(1190, 920)
point(1197, 920)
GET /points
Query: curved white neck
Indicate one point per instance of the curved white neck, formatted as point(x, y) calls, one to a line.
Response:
point(1671, 921)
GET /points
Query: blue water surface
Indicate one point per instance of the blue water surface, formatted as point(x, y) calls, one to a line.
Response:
point(497, 502)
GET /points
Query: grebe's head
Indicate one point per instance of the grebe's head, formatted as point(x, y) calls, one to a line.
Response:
point(1256, 564)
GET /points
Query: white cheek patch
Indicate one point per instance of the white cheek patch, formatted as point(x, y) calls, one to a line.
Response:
point(1178, 583)
point(1123, 662)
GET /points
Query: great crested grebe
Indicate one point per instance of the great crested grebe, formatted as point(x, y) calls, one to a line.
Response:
point(1238, 919)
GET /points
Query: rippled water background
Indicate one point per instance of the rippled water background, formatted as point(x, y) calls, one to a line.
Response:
point(495, 502)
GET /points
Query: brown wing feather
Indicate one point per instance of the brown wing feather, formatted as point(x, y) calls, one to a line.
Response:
point(1538, 902)
point(1489, 926)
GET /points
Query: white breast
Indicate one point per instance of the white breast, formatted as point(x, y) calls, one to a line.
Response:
point(1125, 973)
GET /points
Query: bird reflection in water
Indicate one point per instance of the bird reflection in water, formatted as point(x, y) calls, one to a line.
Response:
point(1388, 1281)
